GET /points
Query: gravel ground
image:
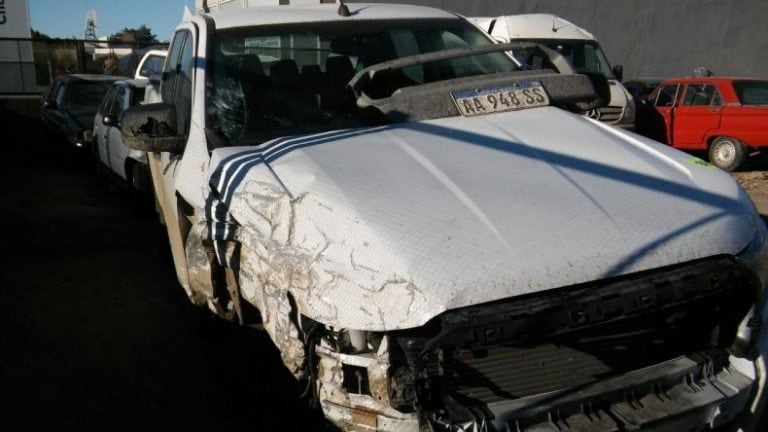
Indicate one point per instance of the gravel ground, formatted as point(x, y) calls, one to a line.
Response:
point(756, 184)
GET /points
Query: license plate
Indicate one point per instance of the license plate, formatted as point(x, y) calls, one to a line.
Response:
point(527, 94)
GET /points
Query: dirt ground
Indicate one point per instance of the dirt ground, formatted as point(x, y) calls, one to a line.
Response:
point(755, 182)
point(95, 332)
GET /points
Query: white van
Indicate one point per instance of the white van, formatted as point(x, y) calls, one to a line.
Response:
point(577, 45)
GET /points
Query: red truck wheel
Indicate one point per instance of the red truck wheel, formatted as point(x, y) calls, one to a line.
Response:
point(727, 153)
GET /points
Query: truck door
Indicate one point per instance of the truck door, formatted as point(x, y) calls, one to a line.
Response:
point(696, 112)
point(176, 89)
point(661, 127)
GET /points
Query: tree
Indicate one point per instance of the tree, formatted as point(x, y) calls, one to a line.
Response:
point(142, 34)
point(38, 35)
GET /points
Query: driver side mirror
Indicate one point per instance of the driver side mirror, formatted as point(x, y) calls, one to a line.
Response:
point(151, 128)
point(618, 72)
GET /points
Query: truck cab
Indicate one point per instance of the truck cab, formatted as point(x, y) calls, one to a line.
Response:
point(578, 46)
point(437, 239)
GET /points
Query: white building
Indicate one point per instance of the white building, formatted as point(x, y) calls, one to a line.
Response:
point(17, 65)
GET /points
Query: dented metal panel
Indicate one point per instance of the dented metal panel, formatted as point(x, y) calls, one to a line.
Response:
point(365, 247)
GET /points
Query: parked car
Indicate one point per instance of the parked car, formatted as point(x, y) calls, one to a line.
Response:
point(128, 165)
point(71, 102)
point(436, 239)
point(151, 68)
point(724, 116)
point(151, 64)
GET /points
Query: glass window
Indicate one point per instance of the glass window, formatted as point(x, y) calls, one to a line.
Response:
point(137, 96)
point(584, 56)
point(120, 101)
point(751, 92)
point(86, 93)
point(183, 90)
point(267, 82)
point(701, 94)
point(106, 103)
point(169, 81)
point(59, 94)
point(153, 65)
point(666, 95)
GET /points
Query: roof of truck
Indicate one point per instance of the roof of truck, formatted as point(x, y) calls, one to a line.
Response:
point(268, 15)
point(543, 26)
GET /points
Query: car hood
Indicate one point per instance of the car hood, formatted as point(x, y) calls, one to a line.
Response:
point(385, 228)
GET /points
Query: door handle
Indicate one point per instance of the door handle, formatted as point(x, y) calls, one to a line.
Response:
point(714, 110)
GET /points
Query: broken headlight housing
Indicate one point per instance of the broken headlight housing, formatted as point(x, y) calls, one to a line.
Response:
point(754, 256)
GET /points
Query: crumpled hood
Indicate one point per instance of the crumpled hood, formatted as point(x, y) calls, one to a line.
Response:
point(386, 228)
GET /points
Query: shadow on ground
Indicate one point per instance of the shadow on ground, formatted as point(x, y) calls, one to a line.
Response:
point(95, 332)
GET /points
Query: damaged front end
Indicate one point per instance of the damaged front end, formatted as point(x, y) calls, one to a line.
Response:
point(640, 352)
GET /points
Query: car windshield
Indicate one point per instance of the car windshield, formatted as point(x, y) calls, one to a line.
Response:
point(751, 92)
point(153, 65)
point(271, 81)
point(86, 93)
point(583, 55)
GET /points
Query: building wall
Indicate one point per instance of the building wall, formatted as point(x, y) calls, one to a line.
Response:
point(648, 37)
point(654, 37)
point(17, 67)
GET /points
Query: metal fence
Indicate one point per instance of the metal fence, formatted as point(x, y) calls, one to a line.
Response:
point(28, 66)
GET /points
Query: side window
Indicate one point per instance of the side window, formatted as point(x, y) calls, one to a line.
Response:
point(119, 106)
point(182, 96)
point(169, 74)
point(152, 66)
point(701, 94)
point(176, 87)
point(60, 95)
point(106, 103)
point(53, 90)
point(667, 95)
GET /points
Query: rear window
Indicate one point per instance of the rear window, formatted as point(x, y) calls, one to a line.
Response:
point(86, 93)
point(751, 92)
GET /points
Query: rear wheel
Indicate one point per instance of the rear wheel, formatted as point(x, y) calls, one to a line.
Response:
point(727, 153)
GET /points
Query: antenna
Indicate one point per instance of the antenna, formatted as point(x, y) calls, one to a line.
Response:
point(554, 29)
point(90, 26)
point(205, 7)
point(343, 9)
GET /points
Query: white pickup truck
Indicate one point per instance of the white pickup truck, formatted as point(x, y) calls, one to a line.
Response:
point(436, 240)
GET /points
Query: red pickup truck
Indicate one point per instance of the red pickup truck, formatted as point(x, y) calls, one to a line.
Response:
point(728, 117)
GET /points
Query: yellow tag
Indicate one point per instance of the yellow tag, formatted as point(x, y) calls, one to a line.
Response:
point(701, 162)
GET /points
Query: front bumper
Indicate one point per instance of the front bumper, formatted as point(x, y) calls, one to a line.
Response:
point(681, 394)
point(648, 352)
point(686, 393)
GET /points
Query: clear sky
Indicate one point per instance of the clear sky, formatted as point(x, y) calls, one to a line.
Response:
point(66, 18)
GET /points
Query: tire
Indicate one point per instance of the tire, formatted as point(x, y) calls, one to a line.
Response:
point(727, 153)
